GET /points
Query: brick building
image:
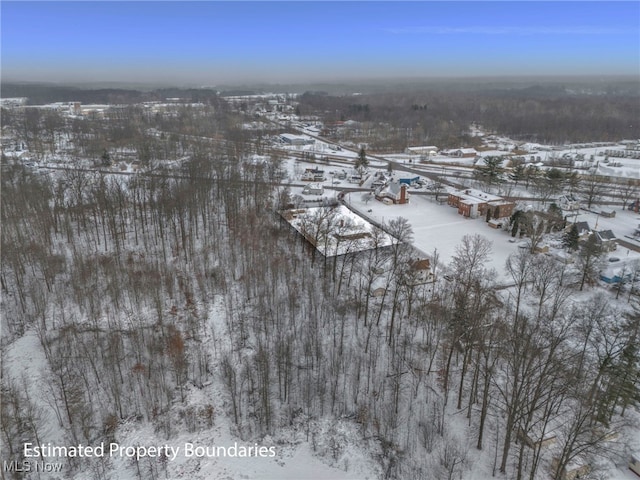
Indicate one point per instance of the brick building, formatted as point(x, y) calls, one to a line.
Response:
point(474, 203)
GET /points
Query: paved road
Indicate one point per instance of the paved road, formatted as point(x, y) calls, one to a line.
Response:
point(631, 246)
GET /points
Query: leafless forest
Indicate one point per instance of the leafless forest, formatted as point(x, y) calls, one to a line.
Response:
point(440, 115)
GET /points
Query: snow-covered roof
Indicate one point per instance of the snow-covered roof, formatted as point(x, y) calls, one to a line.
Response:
point(393, 188)
point(292, 137)
point(476, 196)
point(336, 230)
point(427, 148)
point(583, 228)
point(606, 235)
point(313, 188)
point(461, 151)
point(531, 147)
point(619, 272)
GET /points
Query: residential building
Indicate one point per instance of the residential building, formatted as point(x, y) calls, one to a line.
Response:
point(568, 203)
point(313, 189)
point(584, 230)
point(606, 240)
point(313, 175)
point(427, 150)
point(462, 153)
point(395, 192)
point(473, 203)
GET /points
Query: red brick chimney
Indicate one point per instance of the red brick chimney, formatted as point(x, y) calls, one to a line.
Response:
point(404, 196)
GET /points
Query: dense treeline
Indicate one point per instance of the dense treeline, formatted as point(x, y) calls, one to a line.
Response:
point(39, 94)
point(442, 117)
point(130, 129)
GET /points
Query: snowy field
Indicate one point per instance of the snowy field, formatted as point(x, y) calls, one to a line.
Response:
point(439, 227)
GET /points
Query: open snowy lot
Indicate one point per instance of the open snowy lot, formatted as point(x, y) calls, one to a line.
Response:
point(438, 227)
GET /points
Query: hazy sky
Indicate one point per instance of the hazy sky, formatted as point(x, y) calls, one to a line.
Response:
point(213, 42)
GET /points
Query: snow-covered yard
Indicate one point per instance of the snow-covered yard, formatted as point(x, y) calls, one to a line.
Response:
point(438, 227)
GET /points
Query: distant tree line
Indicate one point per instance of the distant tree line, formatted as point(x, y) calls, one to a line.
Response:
point(39, 94)
point(528, 115)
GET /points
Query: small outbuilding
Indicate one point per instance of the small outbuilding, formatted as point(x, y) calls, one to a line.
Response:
point(291, 139)
point(606, 240)
point(313, 189)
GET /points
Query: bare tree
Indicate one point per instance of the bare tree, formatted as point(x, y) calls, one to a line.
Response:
point(628, 190)
point(588, 260)
point(536, 225)
point(591, 189)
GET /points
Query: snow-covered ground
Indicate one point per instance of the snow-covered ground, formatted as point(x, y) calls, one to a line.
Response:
point(438, 227)
point(320, 148)
point(327, 450)
point(441, 227)
point(25, 363)
point(294, 457)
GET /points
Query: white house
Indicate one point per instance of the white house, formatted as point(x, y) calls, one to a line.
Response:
point(313, 189)
point(395, 192)
point(568, 203)
point(426, 151)
point(462, 153)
